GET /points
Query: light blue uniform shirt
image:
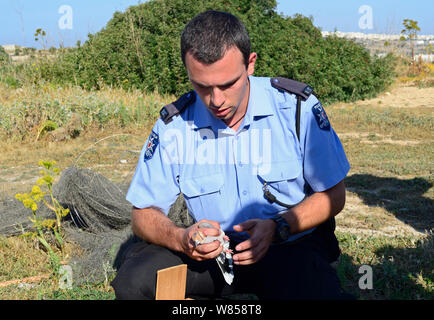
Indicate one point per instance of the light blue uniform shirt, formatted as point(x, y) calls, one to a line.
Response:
point(222, 172)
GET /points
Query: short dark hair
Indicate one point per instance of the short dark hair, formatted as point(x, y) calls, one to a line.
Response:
point(211, 33)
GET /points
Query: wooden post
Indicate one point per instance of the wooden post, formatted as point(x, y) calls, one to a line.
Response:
point(171, 283)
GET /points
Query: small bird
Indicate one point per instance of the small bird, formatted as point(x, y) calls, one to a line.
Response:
point(224, 260)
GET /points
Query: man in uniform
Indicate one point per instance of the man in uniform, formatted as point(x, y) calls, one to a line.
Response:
point(250, 165)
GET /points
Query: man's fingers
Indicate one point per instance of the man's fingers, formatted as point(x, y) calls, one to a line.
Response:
point(250, 251)
point(208, 247)
point(247, 244)
point(210, 232)
point(249, 256)
point(207, 251)
point(245, 226)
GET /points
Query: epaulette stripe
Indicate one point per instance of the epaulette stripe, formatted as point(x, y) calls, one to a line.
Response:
point(295, 87)
point(175, 108)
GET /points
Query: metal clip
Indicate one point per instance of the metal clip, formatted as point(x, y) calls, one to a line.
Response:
point(267, 194)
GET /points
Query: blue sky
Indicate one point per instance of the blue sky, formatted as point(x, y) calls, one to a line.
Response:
point(20, 18)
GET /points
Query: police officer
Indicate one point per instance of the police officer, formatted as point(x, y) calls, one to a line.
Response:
point(248, 162)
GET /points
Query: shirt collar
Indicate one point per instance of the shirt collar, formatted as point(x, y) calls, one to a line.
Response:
point(258, 106)
point(259, 100)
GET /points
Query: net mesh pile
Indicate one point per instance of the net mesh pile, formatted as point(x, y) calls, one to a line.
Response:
point(99, 221)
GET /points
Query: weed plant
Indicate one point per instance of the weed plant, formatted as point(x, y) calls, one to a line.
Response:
point(45, 225)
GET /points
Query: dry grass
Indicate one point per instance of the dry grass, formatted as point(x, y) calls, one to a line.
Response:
point(26, 261)
point(48, 92)
point(26, 111)
point(98, 150)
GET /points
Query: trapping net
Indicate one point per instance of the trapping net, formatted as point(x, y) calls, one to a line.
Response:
point(99, 221)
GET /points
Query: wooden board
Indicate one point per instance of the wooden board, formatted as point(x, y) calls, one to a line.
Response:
point(24, 280)
point(171, 283)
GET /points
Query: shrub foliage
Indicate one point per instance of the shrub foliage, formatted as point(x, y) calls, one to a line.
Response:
point(140, 48)
point(4, 57)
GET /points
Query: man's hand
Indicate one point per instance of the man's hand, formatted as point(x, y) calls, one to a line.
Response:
point(253, 249)
point(203, 251)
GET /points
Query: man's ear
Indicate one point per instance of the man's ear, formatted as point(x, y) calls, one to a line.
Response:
point(251, 65)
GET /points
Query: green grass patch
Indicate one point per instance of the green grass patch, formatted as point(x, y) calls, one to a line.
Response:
point(402, 266)
point(389, 159)
point(400, 123)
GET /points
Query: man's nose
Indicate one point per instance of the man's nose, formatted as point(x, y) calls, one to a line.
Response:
point(217, 97)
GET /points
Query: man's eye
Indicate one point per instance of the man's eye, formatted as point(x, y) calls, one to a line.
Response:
point(226, 86)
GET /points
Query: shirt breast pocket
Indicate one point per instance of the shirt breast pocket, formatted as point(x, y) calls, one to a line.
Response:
point(282, 177)
point(203, 195)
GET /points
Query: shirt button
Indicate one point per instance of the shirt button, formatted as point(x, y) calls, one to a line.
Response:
point(245, 192)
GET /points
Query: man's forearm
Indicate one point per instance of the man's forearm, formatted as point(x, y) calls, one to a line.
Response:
point(316, 209)
point(154, 226)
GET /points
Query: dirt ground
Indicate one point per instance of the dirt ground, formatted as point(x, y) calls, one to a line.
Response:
point(401, 96)
point(361, 218)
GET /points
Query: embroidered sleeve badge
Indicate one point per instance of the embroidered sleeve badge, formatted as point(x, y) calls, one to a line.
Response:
point(151, 145)
point(321, 116)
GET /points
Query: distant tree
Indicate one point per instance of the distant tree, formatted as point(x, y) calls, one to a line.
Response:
point(410, 30)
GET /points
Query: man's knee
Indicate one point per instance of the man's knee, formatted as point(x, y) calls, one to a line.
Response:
point(137, 275)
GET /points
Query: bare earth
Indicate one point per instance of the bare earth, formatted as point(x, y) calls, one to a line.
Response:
point(359, 218)
point(403, 97)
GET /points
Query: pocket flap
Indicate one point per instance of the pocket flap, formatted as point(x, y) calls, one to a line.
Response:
point(283, 170)
point(196, 186)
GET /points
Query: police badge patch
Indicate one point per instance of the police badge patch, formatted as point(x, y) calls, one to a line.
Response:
point(151, 145)
point(321, 116)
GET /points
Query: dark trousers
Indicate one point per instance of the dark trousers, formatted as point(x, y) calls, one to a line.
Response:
point(289, 271)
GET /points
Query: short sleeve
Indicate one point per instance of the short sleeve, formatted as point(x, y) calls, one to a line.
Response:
point(155, 179)
point(325, 162)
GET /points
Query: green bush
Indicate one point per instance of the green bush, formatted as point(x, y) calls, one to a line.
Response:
point(4, 57)
point(140, 48)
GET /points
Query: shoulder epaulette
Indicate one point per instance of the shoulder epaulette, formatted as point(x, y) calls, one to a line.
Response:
point(295, 87)
point(300, 89)
point(175, 108)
